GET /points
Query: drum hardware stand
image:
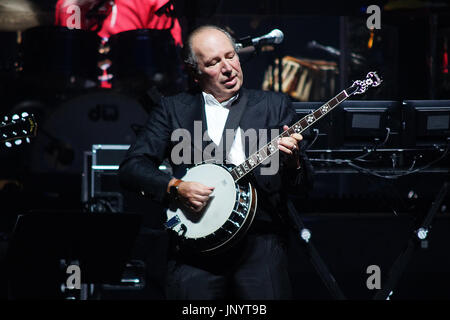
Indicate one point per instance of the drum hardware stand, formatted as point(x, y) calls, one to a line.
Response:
point(275, 56)
point(316, 260)
point(418, 237)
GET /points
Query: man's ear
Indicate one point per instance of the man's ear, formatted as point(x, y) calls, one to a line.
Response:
point(192, 74)
point(196, 77)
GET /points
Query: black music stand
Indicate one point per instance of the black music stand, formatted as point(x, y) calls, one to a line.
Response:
point(42, 243)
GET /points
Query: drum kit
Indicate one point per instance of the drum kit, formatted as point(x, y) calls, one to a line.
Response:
point(63, 59)
point(82, 89)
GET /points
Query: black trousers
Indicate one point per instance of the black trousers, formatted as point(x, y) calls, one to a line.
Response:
point(256, 269)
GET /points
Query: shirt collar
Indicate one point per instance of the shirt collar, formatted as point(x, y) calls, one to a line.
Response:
point(211, 100)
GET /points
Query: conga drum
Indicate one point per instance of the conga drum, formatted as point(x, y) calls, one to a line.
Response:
point(303, 79)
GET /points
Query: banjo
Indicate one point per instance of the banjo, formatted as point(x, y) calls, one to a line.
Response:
point(232, 206)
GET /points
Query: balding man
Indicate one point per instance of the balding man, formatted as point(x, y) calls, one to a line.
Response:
point(256, 266)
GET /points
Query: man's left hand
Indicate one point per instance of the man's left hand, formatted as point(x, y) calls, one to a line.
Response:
point(289, 146)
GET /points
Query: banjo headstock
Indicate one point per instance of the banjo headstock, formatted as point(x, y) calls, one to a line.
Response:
point(361, 86)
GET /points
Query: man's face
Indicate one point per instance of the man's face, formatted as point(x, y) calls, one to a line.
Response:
point(218, 62)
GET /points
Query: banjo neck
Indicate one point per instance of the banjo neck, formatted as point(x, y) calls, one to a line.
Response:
point(271, 148)
point(230, 214)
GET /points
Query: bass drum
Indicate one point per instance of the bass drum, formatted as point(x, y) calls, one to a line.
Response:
point(68, 130)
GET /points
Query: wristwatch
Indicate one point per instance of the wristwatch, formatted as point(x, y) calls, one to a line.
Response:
point(174, 189)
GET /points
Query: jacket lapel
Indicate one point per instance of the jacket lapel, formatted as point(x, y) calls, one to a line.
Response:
point(190, 113)
point(251, 120)
point(191, 110)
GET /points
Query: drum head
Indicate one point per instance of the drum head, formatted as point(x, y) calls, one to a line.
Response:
point(221, 204)
point(70, 129)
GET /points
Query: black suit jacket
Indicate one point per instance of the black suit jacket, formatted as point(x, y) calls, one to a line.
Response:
point(264, 110)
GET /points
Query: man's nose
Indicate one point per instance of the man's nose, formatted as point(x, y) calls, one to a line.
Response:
point(226, 67)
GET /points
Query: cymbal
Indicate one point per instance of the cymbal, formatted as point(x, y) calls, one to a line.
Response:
point(16, 15)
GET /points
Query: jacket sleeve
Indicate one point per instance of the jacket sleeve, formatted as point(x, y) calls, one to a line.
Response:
point(139, 170)
point(297, 180)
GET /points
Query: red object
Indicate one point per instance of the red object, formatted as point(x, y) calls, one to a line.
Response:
point(104, 80)
point(445, 63)
point(121, 15)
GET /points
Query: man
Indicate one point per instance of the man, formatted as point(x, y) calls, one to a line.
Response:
point(256, 267)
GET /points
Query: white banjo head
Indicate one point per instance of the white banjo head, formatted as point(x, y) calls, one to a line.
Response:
point(221, 203)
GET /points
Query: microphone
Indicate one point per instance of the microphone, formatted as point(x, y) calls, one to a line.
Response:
point(356, 58)
point(275, 36)
point(314, 45)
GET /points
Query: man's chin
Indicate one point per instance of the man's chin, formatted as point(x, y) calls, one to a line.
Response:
point(233, 88)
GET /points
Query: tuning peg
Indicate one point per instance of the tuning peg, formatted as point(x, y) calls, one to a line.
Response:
point(8, 144)
point(15, 117)
point(18, 142)
point(25, 114)
point(27, 140)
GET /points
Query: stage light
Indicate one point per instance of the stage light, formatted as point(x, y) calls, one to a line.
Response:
point(412, 194)
point(389, 296)
point(422, 233)
point(305, 234)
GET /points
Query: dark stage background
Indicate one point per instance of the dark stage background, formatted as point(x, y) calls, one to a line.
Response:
point(373, 186)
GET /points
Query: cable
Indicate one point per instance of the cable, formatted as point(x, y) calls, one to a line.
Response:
point(375, 147)
point(387, 137)
point(316, 131)
point(374, 173)
point(412, 164)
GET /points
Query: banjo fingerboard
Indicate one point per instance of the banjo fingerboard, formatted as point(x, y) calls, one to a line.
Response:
point(231, 213)
point(272, 147)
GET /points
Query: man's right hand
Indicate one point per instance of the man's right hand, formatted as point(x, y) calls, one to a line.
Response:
point(193, 195)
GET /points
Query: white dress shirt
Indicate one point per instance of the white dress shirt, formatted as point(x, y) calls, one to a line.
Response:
point(216, 117)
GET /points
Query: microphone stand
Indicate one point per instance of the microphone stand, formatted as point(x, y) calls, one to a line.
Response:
point(280, 69)
point(245, 45)
point(245, 48)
